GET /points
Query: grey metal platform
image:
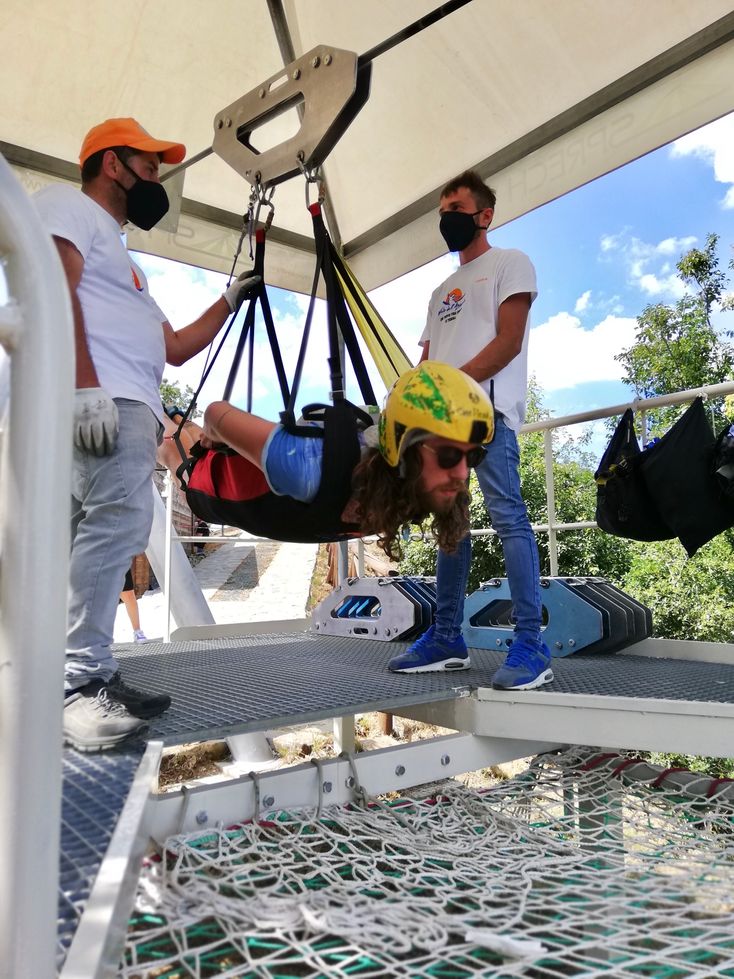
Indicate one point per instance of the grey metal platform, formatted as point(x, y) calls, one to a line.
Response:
point(94, 791)
point(222, 687)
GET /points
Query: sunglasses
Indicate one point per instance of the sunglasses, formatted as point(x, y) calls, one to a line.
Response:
point(448, 456)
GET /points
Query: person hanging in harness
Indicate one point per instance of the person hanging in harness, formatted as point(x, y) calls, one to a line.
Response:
point(368, 480)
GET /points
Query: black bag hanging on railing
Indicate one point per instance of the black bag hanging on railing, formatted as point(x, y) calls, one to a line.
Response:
point(623, 504)
point(723, 462)
point(668, 490)
point(677, 472)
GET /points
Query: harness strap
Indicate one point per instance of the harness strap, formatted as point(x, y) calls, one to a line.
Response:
point(248, 331)
point(338, 318)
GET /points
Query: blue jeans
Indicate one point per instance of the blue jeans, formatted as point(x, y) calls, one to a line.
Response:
point(111, 517)
point(292, 464)
point(499, 481)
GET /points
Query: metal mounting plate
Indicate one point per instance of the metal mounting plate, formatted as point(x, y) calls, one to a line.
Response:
point(324, 83)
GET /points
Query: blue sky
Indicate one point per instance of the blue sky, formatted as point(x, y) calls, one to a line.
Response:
point(602, 253)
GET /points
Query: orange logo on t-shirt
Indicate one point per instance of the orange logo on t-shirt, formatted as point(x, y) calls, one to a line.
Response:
point(451, 305)
point(136, 281)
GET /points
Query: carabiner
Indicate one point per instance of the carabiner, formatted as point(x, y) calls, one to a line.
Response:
point(313, 176)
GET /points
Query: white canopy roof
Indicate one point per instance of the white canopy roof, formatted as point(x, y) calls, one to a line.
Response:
point(540, 96)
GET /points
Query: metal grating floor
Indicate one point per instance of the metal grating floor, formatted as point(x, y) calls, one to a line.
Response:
point(94, 791)
point(226, 686)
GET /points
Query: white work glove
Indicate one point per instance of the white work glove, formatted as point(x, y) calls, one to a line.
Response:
point(96, 422)
point(242, 288)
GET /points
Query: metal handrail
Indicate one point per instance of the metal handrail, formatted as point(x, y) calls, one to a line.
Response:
point(549, 425)
point(36, 332)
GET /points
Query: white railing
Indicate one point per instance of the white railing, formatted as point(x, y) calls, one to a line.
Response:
point(548, 425)
point(35, 476)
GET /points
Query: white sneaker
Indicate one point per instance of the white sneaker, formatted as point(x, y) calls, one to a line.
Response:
point(94, 721)
point(140, 636)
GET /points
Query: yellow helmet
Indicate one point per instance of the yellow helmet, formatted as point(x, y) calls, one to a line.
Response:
point(434, 399)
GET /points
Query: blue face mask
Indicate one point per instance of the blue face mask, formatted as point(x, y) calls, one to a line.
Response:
point(459, 229)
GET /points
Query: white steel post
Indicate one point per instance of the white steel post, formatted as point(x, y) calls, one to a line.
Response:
point(167, 564)
point(35, 479)
point(550, 495)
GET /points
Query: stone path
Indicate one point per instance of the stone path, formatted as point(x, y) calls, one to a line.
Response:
point(242, 582)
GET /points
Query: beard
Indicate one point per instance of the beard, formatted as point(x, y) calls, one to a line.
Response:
point(442, 499)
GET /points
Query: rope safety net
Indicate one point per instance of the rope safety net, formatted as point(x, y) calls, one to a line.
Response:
point(584, 865)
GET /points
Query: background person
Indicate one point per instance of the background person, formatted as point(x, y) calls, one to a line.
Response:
point(201, 530)
point(130, 601)
point(478, 321)
point(122, 341)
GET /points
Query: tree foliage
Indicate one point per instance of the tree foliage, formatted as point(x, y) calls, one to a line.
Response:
point(677, 347)
point(172, 394)
point(690, 598)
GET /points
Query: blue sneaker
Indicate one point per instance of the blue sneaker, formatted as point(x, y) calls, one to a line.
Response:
point(429, 654)
point(525, 668)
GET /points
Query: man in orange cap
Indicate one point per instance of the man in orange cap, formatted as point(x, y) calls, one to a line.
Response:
point(122, 340)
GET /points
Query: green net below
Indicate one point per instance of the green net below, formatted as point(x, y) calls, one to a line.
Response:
point(585, 865)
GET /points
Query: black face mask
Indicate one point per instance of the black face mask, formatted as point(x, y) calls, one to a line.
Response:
point(147, 201)
point(459, 229)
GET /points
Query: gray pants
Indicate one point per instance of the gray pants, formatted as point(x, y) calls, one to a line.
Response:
point(111, 516)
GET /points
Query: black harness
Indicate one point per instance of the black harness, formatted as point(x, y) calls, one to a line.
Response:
point(224, 487)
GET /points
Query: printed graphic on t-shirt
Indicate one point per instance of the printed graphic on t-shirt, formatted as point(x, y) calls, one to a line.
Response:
point(451, 306)
point(136, 281)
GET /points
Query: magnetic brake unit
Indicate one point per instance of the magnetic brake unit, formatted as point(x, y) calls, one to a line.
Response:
point(386, 608)
point(587, 615)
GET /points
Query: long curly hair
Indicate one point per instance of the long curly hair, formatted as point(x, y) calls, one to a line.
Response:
point(387, 501)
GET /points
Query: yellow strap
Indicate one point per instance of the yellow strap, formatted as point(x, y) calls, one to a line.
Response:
point(389, 357)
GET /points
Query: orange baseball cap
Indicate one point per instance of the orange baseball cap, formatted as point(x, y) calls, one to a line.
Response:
point(128, 132)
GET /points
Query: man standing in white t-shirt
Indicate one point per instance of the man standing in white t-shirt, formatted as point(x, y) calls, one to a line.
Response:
point(122, 341)
point(478, 321)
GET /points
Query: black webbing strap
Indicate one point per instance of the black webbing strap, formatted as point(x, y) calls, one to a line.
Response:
point(339, 323)
point(289, 415)
point(339, 320)
point(248, 331)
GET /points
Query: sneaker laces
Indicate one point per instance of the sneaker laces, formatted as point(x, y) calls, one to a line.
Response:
point(519, 655)
point(117, 683)
point(430, 638)
point(109, 706)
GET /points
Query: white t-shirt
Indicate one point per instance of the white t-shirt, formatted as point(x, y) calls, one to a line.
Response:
point(462, 319)
point(122, 322)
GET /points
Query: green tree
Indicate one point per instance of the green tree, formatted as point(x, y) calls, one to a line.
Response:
point(677, 347)
point(171, 394)
point(690, 598)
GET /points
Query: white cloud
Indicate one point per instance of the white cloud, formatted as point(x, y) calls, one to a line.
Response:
point(562, 354)
point(674, 246)
point(648, 265)
point(609, 243)
point(715, 145)
point(582, 302)
point(668, 286)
